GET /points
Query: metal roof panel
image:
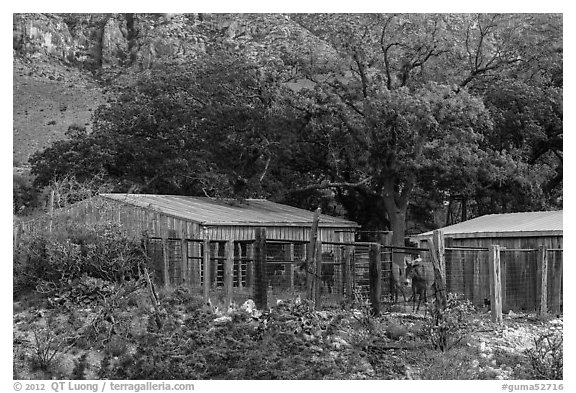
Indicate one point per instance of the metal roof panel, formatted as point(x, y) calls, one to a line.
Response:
point(508, 224)
point(209, 211)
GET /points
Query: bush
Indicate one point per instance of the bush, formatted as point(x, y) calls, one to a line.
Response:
point(446, 328)
point(169, 352)
point(47, 346)
point(288, 342)
point(75, 258)
point(456, 363)
point(25, 197)
point(546, 357)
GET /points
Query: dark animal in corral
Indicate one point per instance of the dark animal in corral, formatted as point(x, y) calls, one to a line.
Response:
point(276, 275)
point(327, 276)
point(397, 279)
point(419, 275)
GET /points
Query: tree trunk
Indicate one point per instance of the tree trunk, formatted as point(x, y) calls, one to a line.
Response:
point(397, 217)
point(464, 209)
point(396, 206)
point(398, 227)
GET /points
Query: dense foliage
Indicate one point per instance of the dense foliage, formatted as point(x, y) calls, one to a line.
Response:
point(389, 118)
point(88, 257)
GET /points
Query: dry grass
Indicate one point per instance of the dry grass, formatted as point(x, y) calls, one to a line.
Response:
point(47, 99)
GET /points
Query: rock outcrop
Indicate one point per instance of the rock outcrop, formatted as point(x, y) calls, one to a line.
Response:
point(99, 41)
point(62, 61)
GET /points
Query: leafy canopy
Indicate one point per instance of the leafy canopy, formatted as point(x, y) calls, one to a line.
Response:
point(386, 115)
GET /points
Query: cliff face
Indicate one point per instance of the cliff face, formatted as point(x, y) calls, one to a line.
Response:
point(99, 41)
point(61, 60)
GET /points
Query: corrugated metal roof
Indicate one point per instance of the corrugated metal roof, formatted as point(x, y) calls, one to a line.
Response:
point(517, 224)
point(207, 211)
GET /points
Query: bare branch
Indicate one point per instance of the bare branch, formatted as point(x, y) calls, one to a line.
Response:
point(326, 184)
point(363, 76)
point(385, 50)
point(265, 169)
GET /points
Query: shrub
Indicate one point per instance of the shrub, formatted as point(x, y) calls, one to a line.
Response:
point(47, 345)
point(25, 197)
point(446, 328)
point(362, 305)
point(75, 258)
point(288, 342)
point(454, 364)
point(546, 357)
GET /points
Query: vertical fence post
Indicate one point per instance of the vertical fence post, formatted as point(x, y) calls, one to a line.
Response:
point(556, 285)
point(185, 270)
point(195, 263)
point(477, 297)
point(312, 255)
point(495, 284)
point(310, 266)
point(260, 285)
point(218, 254)
point(348, 276)
point(166, 260)
point(289, 267)
point(452, 269)
point(503, 281)
point(440, 249)
point(228, 272)
point(318, 274)
point(250, 265)
point(542, 283)
point(338, 284)
point(238, 248)
point(206, 263)
point(375, 272)
point(437, 252)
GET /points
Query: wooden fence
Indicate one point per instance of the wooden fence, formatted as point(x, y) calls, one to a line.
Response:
point(263, 269)
point(255, 269)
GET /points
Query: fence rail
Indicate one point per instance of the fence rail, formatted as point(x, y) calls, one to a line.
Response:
point(263, 269)
point(377, 271)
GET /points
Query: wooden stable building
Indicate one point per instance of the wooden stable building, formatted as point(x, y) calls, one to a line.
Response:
point(511, 230)
point(526, 244)
point(183, 231)
point(171, 216)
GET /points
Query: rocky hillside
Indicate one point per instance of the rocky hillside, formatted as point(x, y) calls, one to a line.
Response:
point(62, 62)
point(48, 97)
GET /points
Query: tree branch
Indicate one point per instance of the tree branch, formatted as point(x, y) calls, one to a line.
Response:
point(363, 76)
point(327, 184)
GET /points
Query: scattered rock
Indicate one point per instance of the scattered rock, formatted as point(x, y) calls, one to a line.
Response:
point(316, 348)
point(222, 320)
point(249, 306)
point(339, 343)
point(482, 346)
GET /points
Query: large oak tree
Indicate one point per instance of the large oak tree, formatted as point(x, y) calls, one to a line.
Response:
point(396, 104)
point(375, 112)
